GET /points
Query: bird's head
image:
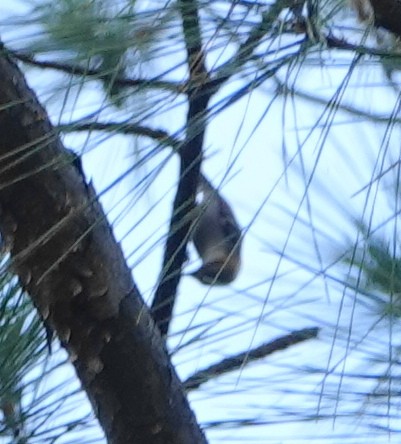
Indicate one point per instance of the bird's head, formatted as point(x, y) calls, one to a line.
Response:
point(218, 273)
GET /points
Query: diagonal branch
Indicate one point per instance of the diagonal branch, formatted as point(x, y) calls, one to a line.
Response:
point(190, 154)
point(238, 361)
point(78, 279)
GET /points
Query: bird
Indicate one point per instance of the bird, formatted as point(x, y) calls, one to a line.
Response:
point(217, 237)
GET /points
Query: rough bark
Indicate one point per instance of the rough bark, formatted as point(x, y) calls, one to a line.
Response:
point(69, 262)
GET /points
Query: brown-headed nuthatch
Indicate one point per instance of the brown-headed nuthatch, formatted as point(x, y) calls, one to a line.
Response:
point(217, 238)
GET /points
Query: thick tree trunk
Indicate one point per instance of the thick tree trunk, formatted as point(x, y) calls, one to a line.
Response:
point(69, 262)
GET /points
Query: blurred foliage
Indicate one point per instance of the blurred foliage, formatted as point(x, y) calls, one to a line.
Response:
point(39, 399)
point(21, 349)
point(377, 266)
point(109, 36)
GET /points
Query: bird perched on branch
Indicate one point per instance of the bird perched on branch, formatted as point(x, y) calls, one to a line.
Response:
point(217, 238)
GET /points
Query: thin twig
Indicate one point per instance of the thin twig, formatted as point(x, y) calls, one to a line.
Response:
point(237, 361)
point(337, 43)
point(96, 73)
point(161, 136)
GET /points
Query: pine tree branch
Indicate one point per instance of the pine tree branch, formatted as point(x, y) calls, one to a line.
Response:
point(242, 359)
point(190, 153)
point(68, 261)
point(159, 135)
point(221, 76)
point(337, 43)
point(97, 74)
